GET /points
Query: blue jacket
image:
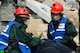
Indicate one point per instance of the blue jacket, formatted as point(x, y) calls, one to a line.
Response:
point(59, 32)
point(4, 39)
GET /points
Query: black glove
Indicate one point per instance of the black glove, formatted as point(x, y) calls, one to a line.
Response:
point(44, 41)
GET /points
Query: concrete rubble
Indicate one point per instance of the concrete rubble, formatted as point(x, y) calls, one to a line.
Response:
point(6, 15)
point(37, 27)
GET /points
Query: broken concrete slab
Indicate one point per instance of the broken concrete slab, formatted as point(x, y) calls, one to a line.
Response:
point(38, 28)
point(7, 13)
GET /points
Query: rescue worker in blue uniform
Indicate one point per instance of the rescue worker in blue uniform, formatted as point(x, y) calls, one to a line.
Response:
point(60, 33)
point(60, 28)
point(14, 39)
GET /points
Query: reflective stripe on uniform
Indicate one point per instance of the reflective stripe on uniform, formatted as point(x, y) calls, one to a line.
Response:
point(60, 29)
point(3, 43)
point(58, 37)
point(23, 44)
point(52, 32)
point(4, 34)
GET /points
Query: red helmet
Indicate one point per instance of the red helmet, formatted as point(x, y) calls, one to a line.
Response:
point(57, 8)
point(22, 12)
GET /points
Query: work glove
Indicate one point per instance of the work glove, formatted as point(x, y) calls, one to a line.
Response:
point(44, 41)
